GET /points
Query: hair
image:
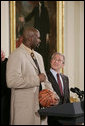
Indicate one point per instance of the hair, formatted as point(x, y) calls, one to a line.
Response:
point(57, 53)
point(29, 32)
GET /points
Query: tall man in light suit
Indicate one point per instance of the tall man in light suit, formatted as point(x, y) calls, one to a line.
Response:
point(24, 79)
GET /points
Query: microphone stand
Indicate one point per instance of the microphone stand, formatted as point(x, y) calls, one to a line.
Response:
point(78, 92)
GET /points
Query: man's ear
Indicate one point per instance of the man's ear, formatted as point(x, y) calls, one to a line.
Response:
point(30, 39)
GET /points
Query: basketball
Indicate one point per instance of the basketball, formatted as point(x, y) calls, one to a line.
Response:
point(46, 98)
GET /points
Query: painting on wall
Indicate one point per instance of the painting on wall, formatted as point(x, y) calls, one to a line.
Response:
point(23, 10)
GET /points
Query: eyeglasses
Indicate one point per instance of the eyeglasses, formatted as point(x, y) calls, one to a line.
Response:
point(58, 60)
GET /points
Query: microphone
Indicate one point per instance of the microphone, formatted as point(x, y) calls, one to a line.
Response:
point(75, 90)
point(78, 92)
point(72, 89)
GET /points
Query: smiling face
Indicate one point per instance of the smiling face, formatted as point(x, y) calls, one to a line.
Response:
point(57, 62)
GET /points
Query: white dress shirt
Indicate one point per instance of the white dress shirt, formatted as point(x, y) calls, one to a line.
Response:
point(54, 73)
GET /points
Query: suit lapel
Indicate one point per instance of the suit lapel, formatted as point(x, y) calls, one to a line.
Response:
point(29, 57)
point(31, 60)
point(64, 83)
point(54, 83)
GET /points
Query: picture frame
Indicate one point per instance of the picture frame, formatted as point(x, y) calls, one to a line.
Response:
point(59, 26)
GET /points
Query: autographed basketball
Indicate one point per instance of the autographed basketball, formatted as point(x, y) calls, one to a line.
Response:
point(47, 98)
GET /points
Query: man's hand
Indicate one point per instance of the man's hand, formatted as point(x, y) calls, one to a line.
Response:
point(56, 99)
point(42, 77)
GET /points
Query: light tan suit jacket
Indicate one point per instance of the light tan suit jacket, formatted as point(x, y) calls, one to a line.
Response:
point(22, 78)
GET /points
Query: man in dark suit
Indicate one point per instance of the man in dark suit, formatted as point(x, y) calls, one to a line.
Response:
point(59, 81)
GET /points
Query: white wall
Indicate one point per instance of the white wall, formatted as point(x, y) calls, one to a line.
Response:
point(5, 27)
point(81, 45)
point(74, 42)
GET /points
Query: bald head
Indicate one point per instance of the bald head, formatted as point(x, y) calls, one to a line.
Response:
point(30, 37)
point(29, 33)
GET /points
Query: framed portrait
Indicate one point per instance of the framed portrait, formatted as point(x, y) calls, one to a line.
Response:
point(56, 19)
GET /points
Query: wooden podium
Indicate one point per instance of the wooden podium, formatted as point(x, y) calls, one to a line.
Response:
point(70, 113)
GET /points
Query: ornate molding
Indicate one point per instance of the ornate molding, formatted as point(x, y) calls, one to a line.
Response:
point(60, 26)
point(12, 25)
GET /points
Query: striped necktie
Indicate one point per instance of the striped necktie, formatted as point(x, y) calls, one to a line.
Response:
point(59, 83)
point(36, 63)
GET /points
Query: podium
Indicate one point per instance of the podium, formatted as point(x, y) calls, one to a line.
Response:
point(70, 113)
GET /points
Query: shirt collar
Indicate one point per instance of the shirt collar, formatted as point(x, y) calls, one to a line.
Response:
point(28, 49)
point(53, 71)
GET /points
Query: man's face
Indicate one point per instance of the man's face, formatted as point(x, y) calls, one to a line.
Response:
point(36, 40)
point(57, 62)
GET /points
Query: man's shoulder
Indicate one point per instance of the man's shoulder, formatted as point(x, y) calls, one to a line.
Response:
point(49, 74)
point(17, 52)
point(38, 54)
point(63, 75)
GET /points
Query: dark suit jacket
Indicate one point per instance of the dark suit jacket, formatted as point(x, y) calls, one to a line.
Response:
point(5, 96)
point(66, 96)
point(52, 120)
